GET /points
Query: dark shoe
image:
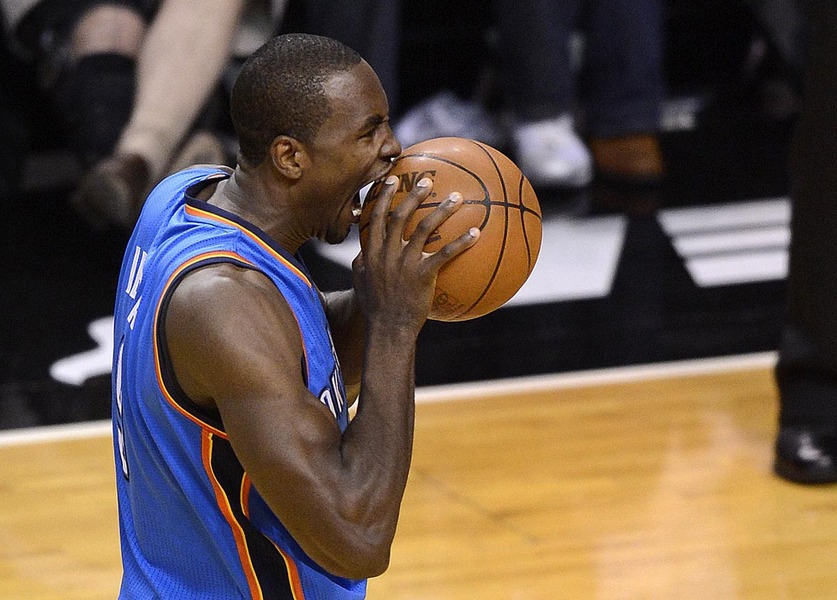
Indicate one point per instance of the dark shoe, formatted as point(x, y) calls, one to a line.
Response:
point(113, 192)
point(631, 159)
point(806, 454)
point(629, 174)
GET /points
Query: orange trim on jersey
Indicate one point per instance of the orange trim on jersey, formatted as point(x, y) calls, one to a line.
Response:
point(290, 564)
point(293, 573)
point(245, 495)
point(197, 212)
point(235, 526)
point(158, 368)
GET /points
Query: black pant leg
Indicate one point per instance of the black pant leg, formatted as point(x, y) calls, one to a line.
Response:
point(807, 368)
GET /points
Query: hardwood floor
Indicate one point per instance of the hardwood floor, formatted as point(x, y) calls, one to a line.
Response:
point(58, 526)
point(615, 485)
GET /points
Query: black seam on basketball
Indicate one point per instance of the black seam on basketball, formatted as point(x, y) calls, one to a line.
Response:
point(523, 224)
point(505, 203)
point(523, 208)
point(486, 199)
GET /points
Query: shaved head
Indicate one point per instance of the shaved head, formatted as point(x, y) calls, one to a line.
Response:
point(280, 91)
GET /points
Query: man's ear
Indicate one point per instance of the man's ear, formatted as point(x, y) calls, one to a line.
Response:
point(289, 156)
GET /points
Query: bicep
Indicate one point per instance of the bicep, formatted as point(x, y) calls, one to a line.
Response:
point(235, 345)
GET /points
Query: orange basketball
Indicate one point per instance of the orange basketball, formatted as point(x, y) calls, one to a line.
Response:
point(498, 199)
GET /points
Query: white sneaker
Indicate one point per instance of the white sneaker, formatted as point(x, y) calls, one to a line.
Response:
point(550, 153)
point(445, 114)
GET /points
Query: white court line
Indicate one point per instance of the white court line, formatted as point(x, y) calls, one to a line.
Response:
point(541, 383)
point(461, 391)
point(54, 433)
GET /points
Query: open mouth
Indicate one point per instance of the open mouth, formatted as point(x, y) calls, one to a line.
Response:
point(359, 198)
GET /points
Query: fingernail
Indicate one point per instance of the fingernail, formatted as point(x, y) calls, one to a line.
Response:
point(474, 231)
point(424, 182)
point(391, 180)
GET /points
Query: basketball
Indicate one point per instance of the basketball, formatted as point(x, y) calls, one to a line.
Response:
point(498, 199)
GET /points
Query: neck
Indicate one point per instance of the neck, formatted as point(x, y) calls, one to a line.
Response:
point(248, 195)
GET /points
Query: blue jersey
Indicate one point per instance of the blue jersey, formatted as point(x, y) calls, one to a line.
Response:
point(191, 523)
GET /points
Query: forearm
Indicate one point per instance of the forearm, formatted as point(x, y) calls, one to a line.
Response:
point(384, 421)
point(359, 477)
point(377, 446)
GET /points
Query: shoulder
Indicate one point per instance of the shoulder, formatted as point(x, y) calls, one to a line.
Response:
point(228, 289)
point(232, 307)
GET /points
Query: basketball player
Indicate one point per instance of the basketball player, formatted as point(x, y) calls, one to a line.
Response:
point(239, 471)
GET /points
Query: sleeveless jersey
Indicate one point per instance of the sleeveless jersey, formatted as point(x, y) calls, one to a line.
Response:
point(191, 523)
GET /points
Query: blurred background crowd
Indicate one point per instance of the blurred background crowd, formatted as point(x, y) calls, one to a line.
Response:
point(126, 91)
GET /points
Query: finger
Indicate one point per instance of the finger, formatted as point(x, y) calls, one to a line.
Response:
point(380, 208)
point(433, 220)
point(453, 249)
point(405, 209)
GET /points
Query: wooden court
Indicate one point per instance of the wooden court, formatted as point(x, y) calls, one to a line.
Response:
point(649, 483)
